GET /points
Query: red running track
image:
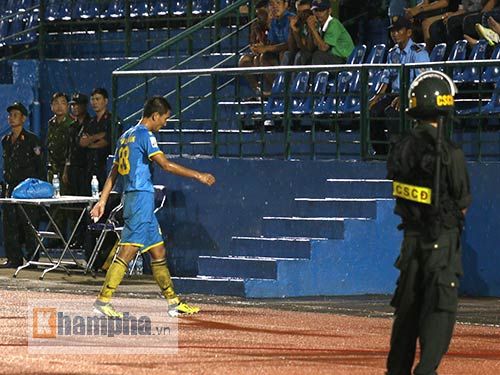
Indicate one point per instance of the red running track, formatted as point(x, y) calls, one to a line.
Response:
point(246, 340)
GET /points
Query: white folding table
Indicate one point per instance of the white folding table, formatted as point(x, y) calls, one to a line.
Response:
point(65, 202)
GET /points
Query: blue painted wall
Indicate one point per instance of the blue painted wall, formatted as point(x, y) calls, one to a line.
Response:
point(201, 220)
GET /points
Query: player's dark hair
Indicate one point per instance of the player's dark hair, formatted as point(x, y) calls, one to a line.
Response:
point(156, 104)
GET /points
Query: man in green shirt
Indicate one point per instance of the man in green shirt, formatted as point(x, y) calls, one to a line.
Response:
point(333, 42)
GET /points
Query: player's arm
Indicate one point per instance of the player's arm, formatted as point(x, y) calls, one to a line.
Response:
point(179, 170)
point(98, 209)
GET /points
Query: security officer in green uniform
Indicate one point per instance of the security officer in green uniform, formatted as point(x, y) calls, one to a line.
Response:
point(58, 136)
point(57, 144)
point(431, 186)
point(22, 158)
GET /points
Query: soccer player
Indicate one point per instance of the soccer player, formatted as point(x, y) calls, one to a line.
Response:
point(136, 148)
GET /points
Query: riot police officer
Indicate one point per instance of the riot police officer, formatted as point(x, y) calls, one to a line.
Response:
point(22, 158)
point(431, 186)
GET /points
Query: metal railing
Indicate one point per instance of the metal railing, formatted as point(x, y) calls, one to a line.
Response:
point(220, 122)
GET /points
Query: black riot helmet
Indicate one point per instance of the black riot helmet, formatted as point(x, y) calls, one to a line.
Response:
point(431, 95)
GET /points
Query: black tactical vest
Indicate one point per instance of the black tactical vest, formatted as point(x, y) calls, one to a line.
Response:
point(412, 161)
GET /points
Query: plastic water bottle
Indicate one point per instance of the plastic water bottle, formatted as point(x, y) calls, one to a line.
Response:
point(56, 185)
point(139, 266)
point(94, 186)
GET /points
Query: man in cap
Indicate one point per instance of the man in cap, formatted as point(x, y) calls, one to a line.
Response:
point(385, 102)
point(333, 42)
point(22, 158)
point(57, 144)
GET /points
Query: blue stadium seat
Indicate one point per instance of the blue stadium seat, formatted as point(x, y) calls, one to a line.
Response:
point(30, 35)
point(85, 10)
point(438, 52)
point(458, 53)
point(4, 31)
point(492, 73)
point(317, 97)
point(116, 9)
point(275, 102)
point(159, 8)
point(203, 6)
point(471, 73)
point(16, 27)
point(178, 8)
point(298, 92)
point(8, 7)
point(357, 55)
point(336, 97)
point(139, 9)
point(52, 10)
point(492, 107)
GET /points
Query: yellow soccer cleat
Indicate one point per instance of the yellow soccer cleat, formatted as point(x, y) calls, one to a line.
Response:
point(178, 308)
point(107, 309)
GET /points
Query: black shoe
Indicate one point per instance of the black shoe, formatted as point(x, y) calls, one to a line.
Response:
point(9, 264)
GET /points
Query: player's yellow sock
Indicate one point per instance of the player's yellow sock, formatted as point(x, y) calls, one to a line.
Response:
point(114, 277)
point(162, 278)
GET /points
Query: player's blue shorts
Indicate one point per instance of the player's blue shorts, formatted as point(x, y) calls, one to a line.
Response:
point(141, 228)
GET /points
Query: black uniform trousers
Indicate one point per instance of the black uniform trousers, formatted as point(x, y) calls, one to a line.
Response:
point(17, 231)
point(383, 123)
point(79, 186)
point(426, 301)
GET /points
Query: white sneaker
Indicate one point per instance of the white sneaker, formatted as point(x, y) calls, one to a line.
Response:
point(488, 34)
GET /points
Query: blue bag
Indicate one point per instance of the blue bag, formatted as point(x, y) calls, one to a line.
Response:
point(33, 188)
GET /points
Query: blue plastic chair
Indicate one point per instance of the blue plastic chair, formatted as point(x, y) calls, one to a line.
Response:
point(492, 107)
point(357, 55)
point(139, 9)
point(275, 102)
point(85, 10)
point(335, 99)
point(4, 31)
point(317, 97)
point(16, 26)
point(203, 7)
point(52, 10)
point(492, 73)
point(116, 9)
point(298, 91)
point(438, 52)
point(458, 53)
point(471, 73)
point(159, 8)
point(178, 8)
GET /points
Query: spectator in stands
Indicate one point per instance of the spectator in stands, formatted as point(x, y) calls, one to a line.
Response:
point(259, 36)
point(488, 20)
point(75, 170)
point(300, 42)
point(491, 33)
point(96, 137)
point(396, 8)
point(427, 12)
point(385, 104)
point(333, 42)
point(449, 28)
point(57, 143)
point(273, 53)
point(469, 23)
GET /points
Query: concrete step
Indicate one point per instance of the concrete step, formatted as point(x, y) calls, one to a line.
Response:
point(240, 267)
point(319, 227)
point(359, 188)
point(281, 247)
point(221, 286)
point(336, 207)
